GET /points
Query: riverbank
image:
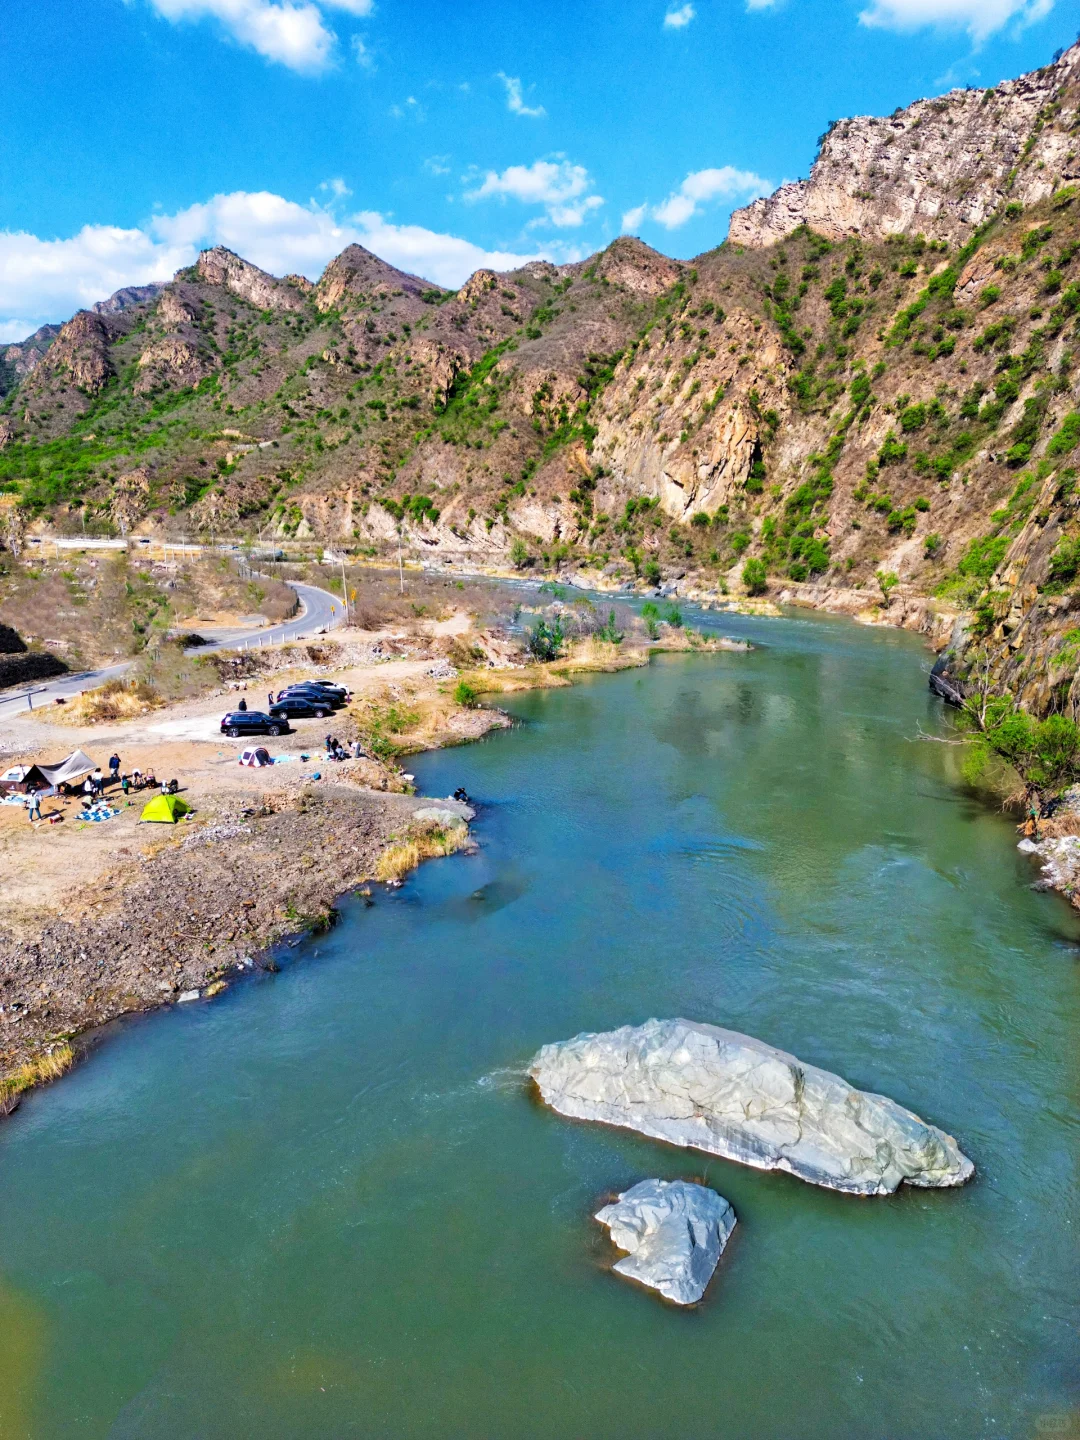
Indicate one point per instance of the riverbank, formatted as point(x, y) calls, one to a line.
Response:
point(101, 921)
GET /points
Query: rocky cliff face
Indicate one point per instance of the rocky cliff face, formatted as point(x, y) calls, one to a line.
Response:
point(940, 168)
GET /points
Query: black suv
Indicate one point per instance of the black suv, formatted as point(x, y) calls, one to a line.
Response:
point(300, 707)
point(329, 686)
point(253, 722)
point(315, 693)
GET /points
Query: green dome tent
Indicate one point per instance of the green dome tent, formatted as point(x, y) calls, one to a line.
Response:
point(165, 808)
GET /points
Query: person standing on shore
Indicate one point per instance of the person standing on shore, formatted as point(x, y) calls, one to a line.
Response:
point(114, 767)
point(33, 804)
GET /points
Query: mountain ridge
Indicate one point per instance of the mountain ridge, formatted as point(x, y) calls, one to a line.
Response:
point(881, 403)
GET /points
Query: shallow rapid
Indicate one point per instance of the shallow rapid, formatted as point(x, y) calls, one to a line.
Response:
point(327, 1205)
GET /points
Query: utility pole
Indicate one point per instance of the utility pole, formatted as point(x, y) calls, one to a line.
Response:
point(344, 589)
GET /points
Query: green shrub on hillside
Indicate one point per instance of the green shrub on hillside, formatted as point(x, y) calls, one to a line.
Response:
point(754, 577)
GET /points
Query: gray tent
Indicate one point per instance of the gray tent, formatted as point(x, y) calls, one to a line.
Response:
point(73, 768)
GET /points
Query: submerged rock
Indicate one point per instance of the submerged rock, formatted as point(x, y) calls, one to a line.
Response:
point(675, 1233)
point(731, 1095)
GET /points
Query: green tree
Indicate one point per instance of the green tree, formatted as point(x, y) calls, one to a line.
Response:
point(1044, 753)
point(650, 613)
point(546, 640)
point(519, 554)
point(888, 581)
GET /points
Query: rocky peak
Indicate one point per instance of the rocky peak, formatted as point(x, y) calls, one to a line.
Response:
point(938, 168)
point(477, 286)
point(220, 266)
point(357, 274)
point(125, 298)
point(632, 264)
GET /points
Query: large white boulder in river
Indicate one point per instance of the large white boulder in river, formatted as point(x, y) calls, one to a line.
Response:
point(675, 1233)
point(731, 1095)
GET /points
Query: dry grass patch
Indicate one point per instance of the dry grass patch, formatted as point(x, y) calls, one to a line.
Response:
point(39, 1071)
point(422, 842)
point(115, 700)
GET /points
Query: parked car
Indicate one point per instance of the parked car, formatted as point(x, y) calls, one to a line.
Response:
point(300, 707)
point(253, 722)
point(314, 694)
point(329, 687)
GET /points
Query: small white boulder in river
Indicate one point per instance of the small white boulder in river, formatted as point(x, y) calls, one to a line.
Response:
point(731, 1095)
point(675, 1233)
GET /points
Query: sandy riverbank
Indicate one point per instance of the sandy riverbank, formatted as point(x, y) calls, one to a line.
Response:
point(102, 920)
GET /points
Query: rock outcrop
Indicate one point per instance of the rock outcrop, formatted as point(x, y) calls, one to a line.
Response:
point(938, 168)
point(220, 266)
point(82, 349)
point(731, 1095)
point(674, 1232)
point(126, 298)
point(170, 361)
point(1059, 859)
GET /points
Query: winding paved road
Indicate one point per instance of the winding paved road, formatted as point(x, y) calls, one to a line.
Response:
point(321, 611)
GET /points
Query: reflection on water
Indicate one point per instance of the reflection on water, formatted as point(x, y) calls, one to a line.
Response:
point(327, 1204)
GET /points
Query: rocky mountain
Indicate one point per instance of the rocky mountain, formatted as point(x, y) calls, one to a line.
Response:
point(941, 167)
point(126, 297)
point(870, 390)
point(17, 361)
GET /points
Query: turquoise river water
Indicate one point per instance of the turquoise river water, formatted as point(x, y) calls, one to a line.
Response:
point(325, 1205)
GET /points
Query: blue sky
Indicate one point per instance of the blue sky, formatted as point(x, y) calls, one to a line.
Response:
point(442, 136)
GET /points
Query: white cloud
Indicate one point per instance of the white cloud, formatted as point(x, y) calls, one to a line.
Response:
point(575, 212)
point(412, 108)
point(336, 187)
point(679, 19)
point(48, 280)
point(362, 54)
point(437, 165)
point(289, 32)
point(556, 184)
point(542, 181)
point(514, 101)
point(699, 188)
point(980, 18)
point(762, 4)
point(446, 259)
point(696, 191)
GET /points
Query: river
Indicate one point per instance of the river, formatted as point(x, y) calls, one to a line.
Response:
point(325, 1204)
